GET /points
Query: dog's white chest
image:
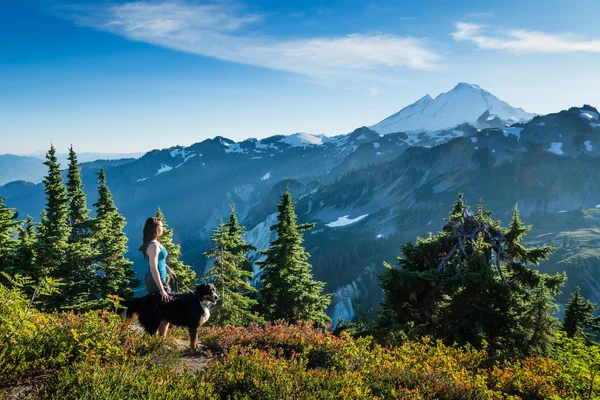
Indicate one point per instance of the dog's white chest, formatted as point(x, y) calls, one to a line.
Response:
point(206, 310)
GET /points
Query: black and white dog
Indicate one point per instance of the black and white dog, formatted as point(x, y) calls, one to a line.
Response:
point(187, 309)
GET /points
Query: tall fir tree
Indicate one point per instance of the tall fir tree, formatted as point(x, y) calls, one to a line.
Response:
point(289, 291)
point(8, 224)
point(231, 275)
point(24, 258)
point(116, 273)
point(184, 273)
point(472, 282)
point(579, 316)
point(54, 230)
point(78, 211)
point(81, 289)
point(238, 244)
point(539, 321)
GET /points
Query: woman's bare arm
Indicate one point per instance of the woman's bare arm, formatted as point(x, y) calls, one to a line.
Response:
point(170, 271)
point(152, 252)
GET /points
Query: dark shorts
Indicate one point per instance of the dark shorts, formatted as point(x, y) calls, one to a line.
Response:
point(151, 285)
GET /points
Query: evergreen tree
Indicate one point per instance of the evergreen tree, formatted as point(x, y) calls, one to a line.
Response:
point(289, 292)
point(54, 230)
point(78, 211)
point(238, 244)
point(480, 296)
point(231, 274)
point(459, 208)
point(81, 288)
point(482, 213)
point(579, 316)
point(471, 282)
point(8, 223)
point(116, 273)
point(539, 321)
point(231, 284)
point(184, 273)
point(24, 259)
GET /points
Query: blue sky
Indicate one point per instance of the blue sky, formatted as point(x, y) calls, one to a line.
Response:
point(124, 76)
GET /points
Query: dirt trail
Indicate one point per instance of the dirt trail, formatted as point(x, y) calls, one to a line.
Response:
point(193, 362)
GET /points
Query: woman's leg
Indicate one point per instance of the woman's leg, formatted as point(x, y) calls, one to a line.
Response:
point(163, 328)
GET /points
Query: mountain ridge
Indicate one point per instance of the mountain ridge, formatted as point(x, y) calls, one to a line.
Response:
point(368, 192)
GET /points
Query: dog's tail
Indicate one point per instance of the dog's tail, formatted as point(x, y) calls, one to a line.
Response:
point(130, 307)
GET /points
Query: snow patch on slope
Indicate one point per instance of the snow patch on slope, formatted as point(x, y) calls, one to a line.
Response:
point(512, 131)
point(303, 139)
point(589, 115)
point(183, 153)
point(343, 221)
point(164, 168)
point(185, 159)
point(234, 148)
point(556, 148)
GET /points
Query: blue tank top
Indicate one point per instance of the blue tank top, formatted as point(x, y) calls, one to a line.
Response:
point(162, 261)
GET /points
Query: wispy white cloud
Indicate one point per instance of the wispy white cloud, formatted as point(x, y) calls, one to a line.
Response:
point(523, 41)
point(225, 31)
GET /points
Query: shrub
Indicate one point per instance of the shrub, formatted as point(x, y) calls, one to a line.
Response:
point(33, 343)
point(321, 349)
point(264, 374)
point(579, 362)
point(104, 381)
point(96, 356)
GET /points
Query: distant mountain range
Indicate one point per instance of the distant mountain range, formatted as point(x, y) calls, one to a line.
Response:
point(21, 168)
point(85, 157)
point(30, 168)
point(371, 191)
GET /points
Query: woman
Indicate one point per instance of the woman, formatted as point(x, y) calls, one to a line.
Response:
point(157, 276)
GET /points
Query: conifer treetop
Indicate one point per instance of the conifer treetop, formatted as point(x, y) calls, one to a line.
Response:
point(78, 211)
point(105, 203)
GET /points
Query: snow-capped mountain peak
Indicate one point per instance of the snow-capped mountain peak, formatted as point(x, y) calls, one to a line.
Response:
point(303, 139)
point(424, 100)
point(465, 103)
point(467, 86)
point(488, 120)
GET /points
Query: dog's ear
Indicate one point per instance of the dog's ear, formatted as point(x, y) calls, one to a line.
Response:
point(202, 288)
